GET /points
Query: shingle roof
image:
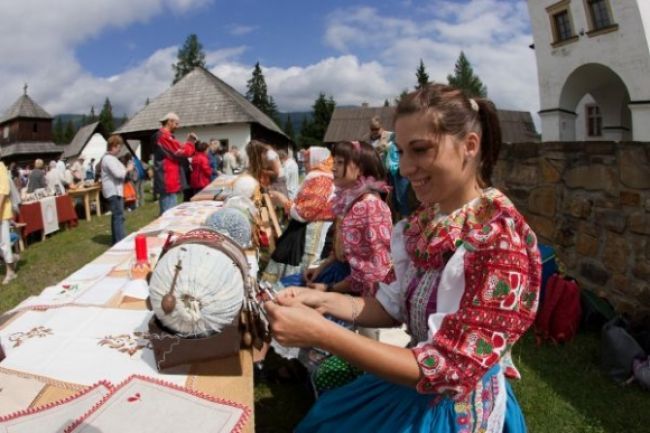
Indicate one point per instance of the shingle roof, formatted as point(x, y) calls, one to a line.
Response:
point(81, 138)
point(351, 123)
point(199, 98)
point(30, 147)
point(25, 107)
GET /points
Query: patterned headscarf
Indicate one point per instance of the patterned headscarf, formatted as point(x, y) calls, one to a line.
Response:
point(320, 158)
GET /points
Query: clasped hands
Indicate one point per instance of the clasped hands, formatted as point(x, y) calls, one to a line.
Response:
point(296, 317)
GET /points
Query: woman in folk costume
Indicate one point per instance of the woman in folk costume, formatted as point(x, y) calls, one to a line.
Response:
point(310, 216)
point(360, 259)
point(467, 283)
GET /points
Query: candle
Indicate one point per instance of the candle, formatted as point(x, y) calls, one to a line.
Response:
point(141, 248)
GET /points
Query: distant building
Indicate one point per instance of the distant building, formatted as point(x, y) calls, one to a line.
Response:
point(208, 106)
point(26, 133)
point(593, 63)
point(351, 123)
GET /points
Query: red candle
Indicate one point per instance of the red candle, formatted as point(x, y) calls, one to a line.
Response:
point(141, 248)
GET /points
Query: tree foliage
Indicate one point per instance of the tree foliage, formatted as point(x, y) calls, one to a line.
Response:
point(106, 117)
point(257, 93)
point(190, 55)
point(57, 133)
point(464, 78)
point(288, 129)
point(313, 131)
point(68, 132)
point(422, 76)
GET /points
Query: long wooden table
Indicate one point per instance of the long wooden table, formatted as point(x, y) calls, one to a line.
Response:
point(88, 194)
point(228, 378)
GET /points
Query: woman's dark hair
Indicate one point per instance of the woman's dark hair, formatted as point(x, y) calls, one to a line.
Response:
point(452, 113)
point(365, 157)
point(201, 146)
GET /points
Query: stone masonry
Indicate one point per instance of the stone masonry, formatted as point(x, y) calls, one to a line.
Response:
point(591, 202)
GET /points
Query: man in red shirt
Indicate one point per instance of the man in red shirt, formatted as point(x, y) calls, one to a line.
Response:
point(169, 178)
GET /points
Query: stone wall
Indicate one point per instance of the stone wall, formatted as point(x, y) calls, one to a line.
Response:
point(591, 201)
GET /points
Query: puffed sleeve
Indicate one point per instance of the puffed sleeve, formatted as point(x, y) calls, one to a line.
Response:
point(391, 295)
point(366, 230)
point(498, 304)
point(313, 200)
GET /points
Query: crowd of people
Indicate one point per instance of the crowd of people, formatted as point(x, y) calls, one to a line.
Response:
point(402, 229)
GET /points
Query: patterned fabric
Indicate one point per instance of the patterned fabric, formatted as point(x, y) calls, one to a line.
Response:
point(334, 372)
point(344, 198)
point(363, 240)
point(501, 268)
point(312, 202)
point(233, 223)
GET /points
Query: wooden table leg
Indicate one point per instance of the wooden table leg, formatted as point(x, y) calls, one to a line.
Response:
point(98, 210)
point(87, 207)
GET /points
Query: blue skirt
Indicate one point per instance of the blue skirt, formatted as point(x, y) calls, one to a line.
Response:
point(370, 404)
point(337, 271)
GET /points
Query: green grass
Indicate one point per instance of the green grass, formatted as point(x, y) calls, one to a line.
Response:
point(46, 263)
point(562, 390)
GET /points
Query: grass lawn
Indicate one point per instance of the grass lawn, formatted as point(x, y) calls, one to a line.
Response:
point(562, 390)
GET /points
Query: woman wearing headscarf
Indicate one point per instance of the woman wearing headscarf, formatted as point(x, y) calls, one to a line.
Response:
point(310, 217)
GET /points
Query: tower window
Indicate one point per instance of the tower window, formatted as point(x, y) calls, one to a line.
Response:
point(562, 26)
point(594, 121)
point(600, 16)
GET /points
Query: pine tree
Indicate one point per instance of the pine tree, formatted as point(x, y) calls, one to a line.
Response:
point(256, 90)
point(313, 132)
point(304, 131)
point(288, 128)
point(273, 112)
point(401, 96)
point(465, 79)
point(386, 103)
point(92, 117)
point(190, 55)
point(257, 94)
point(68, 133)
point(146, 102)
point(106, 117)
point(57, 134)
point(422, 76)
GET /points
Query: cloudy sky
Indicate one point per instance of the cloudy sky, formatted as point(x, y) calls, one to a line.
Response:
point(75, 53)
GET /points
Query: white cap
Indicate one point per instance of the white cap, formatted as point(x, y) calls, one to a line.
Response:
point(170, 116)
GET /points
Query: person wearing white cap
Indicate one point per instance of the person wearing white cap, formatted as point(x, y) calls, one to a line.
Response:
point(169, 178)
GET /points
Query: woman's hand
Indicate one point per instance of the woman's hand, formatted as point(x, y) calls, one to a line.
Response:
point(311, 274)
point(300, 295)
point(295, 325)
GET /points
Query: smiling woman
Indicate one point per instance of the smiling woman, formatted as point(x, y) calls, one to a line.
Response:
point(467, 280)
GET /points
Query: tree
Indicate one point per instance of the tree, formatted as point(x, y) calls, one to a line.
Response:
point(190, 55)
point(401, 96)
point(58, 132)
point(257, 94)
point(106, 117)
point(465, 79)
point(92, 117)
point(288, 128)
point(386, 103)
point(68, 133)
point(313, 132)
point(146, 102)
point(422, 76)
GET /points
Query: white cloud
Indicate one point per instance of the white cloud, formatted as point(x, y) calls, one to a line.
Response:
point(240, 29)
point(493, 33)
point(37, 46)
point(377, 60)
